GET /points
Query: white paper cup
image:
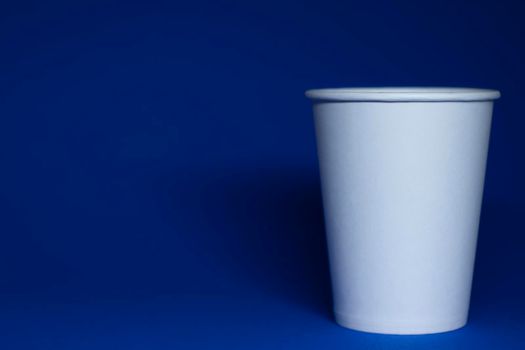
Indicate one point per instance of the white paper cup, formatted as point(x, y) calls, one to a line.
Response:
point(402, 173)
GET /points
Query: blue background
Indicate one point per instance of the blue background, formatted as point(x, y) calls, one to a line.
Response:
point(158, 175)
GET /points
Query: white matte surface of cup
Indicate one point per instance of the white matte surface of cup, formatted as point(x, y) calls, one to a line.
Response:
point(402, 172)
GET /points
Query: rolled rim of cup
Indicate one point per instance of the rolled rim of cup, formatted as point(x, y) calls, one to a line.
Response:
point(403, 94)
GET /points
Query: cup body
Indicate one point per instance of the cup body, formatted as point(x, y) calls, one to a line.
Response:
point(402, 184)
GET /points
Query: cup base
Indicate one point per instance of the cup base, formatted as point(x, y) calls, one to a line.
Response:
point(399, 328)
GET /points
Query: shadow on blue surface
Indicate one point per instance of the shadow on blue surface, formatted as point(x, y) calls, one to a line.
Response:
point(262, 229)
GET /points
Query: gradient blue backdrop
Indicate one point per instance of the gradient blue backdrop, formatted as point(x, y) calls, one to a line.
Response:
point(158, 174)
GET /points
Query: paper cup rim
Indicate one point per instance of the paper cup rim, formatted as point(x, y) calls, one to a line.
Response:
point(403, 94)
